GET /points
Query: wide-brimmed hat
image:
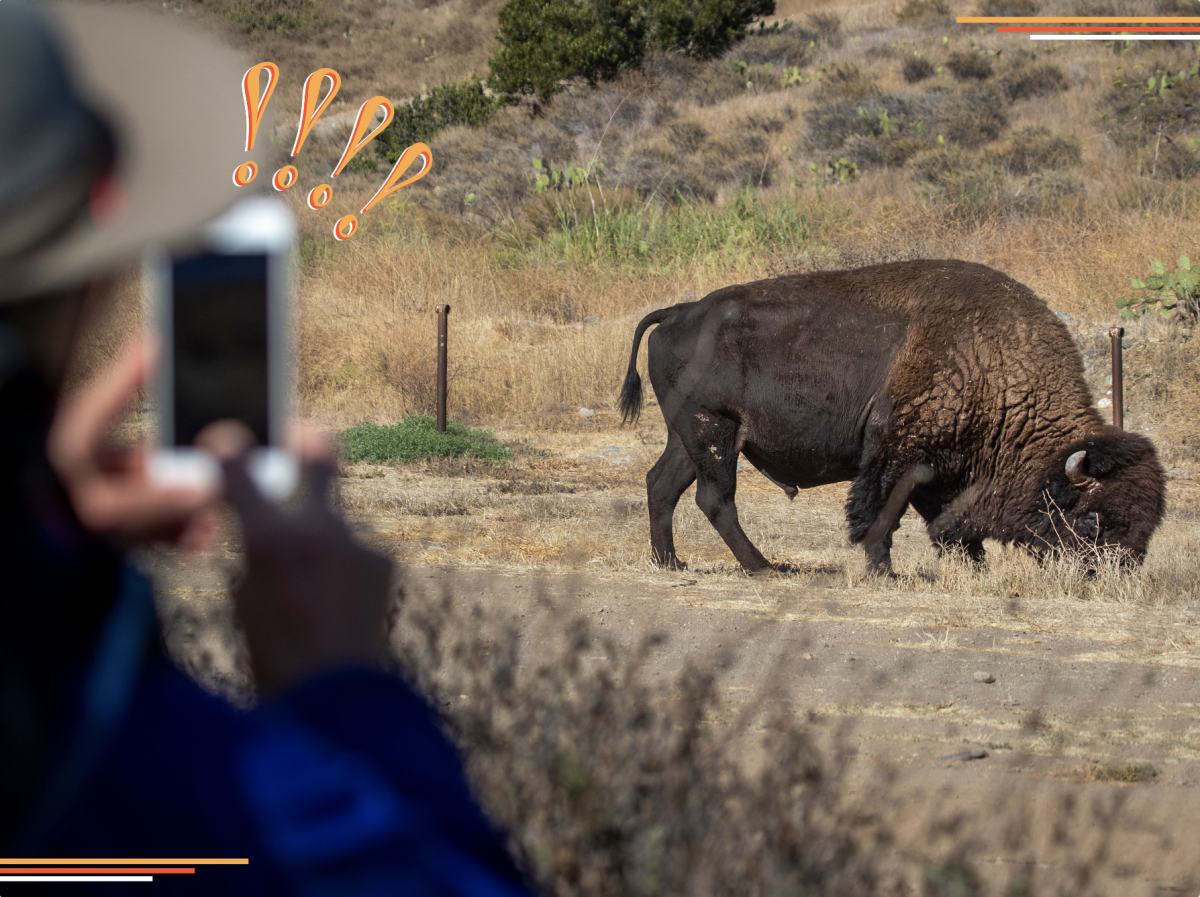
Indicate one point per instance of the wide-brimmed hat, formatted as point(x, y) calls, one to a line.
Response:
point(118, 129)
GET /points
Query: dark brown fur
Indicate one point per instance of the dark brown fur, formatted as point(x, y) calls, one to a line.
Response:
point(941, 384)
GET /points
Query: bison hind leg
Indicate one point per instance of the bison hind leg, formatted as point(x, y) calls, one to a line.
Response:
point(667, 480)
point(712, 446)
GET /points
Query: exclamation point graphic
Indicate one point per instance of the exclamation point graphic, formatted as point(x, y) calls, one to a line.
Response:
point(312, 106)
point(348, 224)
point(256, 102)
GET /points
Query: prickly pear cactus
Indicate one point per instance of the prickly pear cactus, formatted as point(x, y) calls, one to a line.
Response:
point(1173, 294)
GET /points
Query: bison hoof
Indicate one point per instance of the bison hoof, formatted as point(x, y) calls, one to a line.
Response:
point(772, 570)
point(883, 571)
point(670, 563)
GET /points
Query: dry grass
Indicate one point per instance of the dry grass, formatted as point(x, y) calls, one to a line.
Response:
point(614, 776)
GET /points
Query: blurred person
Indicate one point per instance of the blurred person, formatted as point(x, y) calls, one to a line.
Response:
point(340, 781)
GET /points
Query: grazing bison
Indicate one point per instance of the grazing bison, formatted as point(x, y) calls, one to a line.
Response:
point(941, 384)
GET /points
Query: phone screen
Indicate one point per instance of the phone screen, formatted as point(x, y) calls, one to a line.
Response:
point(219, 311)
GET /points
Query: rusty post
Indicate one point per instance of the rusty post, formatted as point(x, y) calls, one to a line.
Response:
point(443, 312)
point(1118, 385)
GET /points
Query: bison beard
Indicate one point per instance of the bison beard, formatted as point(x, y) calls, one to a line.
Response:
point(941, 385)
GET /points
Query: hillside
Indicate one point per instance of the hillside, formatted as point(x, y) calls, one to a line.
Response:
point(833, 135)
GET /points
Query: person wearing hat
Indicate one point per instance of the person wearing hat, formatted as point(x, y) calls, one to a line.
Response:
point(118, 129)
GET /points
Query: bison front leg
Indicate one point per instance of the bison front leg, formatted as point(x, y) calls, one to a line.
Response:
point(879, 496)
point(948, 529)
point(665, 483)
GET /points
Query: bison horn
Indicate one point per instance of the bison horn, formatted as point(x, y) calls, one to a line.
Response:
point(1075, 474)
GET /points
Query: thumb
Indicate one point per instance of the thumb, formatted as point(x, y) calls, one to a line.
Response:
point(229, 441)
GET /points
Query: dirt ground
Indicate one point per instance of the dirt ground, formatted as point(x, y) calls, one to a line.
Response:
point(1019, 708)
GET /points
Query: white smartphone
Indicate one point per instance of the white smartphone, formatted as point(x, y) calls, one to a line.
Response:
point(222, 320)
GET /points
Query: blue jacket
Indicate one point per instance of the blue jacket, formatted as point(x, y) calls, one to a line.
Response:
point(346, 786)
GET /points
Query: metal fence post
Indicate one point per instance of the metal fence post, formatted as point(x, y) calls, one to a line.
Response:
point(443, 312)
point(1118, 385)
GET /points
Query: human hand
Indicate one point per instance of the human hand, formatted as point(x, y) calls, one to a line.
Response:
point(108, 487)
point(311, 598)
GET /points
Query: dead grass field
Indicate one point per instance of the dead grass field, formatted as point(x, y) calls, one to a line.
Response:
point(531, 615)
point(574, 500)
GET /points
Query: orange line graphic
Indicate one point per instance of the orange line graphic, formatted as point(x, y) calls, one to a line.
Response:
point(110, 870)
point(157, 861)
point(1067, 20)
point(1121, 29)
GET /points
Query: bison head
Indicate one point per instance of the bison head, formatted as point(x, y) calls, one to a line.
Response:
point(1104, 492)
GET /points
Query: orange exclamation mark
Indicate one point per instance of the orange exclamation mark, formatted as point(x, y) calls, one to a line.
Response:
point(256, 102)
point(407, 158)
point(366, 115)
point(311, 111)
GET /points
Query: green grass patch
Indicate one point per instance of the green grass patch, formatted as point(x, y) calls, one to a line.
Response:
point(416, 439)
point(1127, 774)
point(663, 237)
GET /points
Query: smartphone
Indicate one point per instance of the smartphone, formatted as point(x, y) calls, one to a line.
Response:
point(221, 315)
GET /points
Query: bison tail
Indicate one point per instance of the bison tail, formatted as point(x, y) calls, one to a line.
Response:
point(631, 392)
point(631, 396)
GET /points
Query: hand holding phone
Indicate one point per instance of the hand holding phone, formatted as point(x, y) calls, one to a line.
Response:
point(312, 598)
point(221, 316)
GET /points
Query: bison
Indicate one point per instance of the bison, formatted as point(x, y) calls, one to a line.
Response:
point(943, 385)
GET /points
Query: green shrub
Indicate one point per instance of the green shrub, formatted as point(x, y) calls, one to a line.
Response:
point(969, 66)
point(919, 12)
point(834, 171)
point(701, 28)
point(464, 103)
point(916, 69)
point(547, 42)
point(416, 438)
